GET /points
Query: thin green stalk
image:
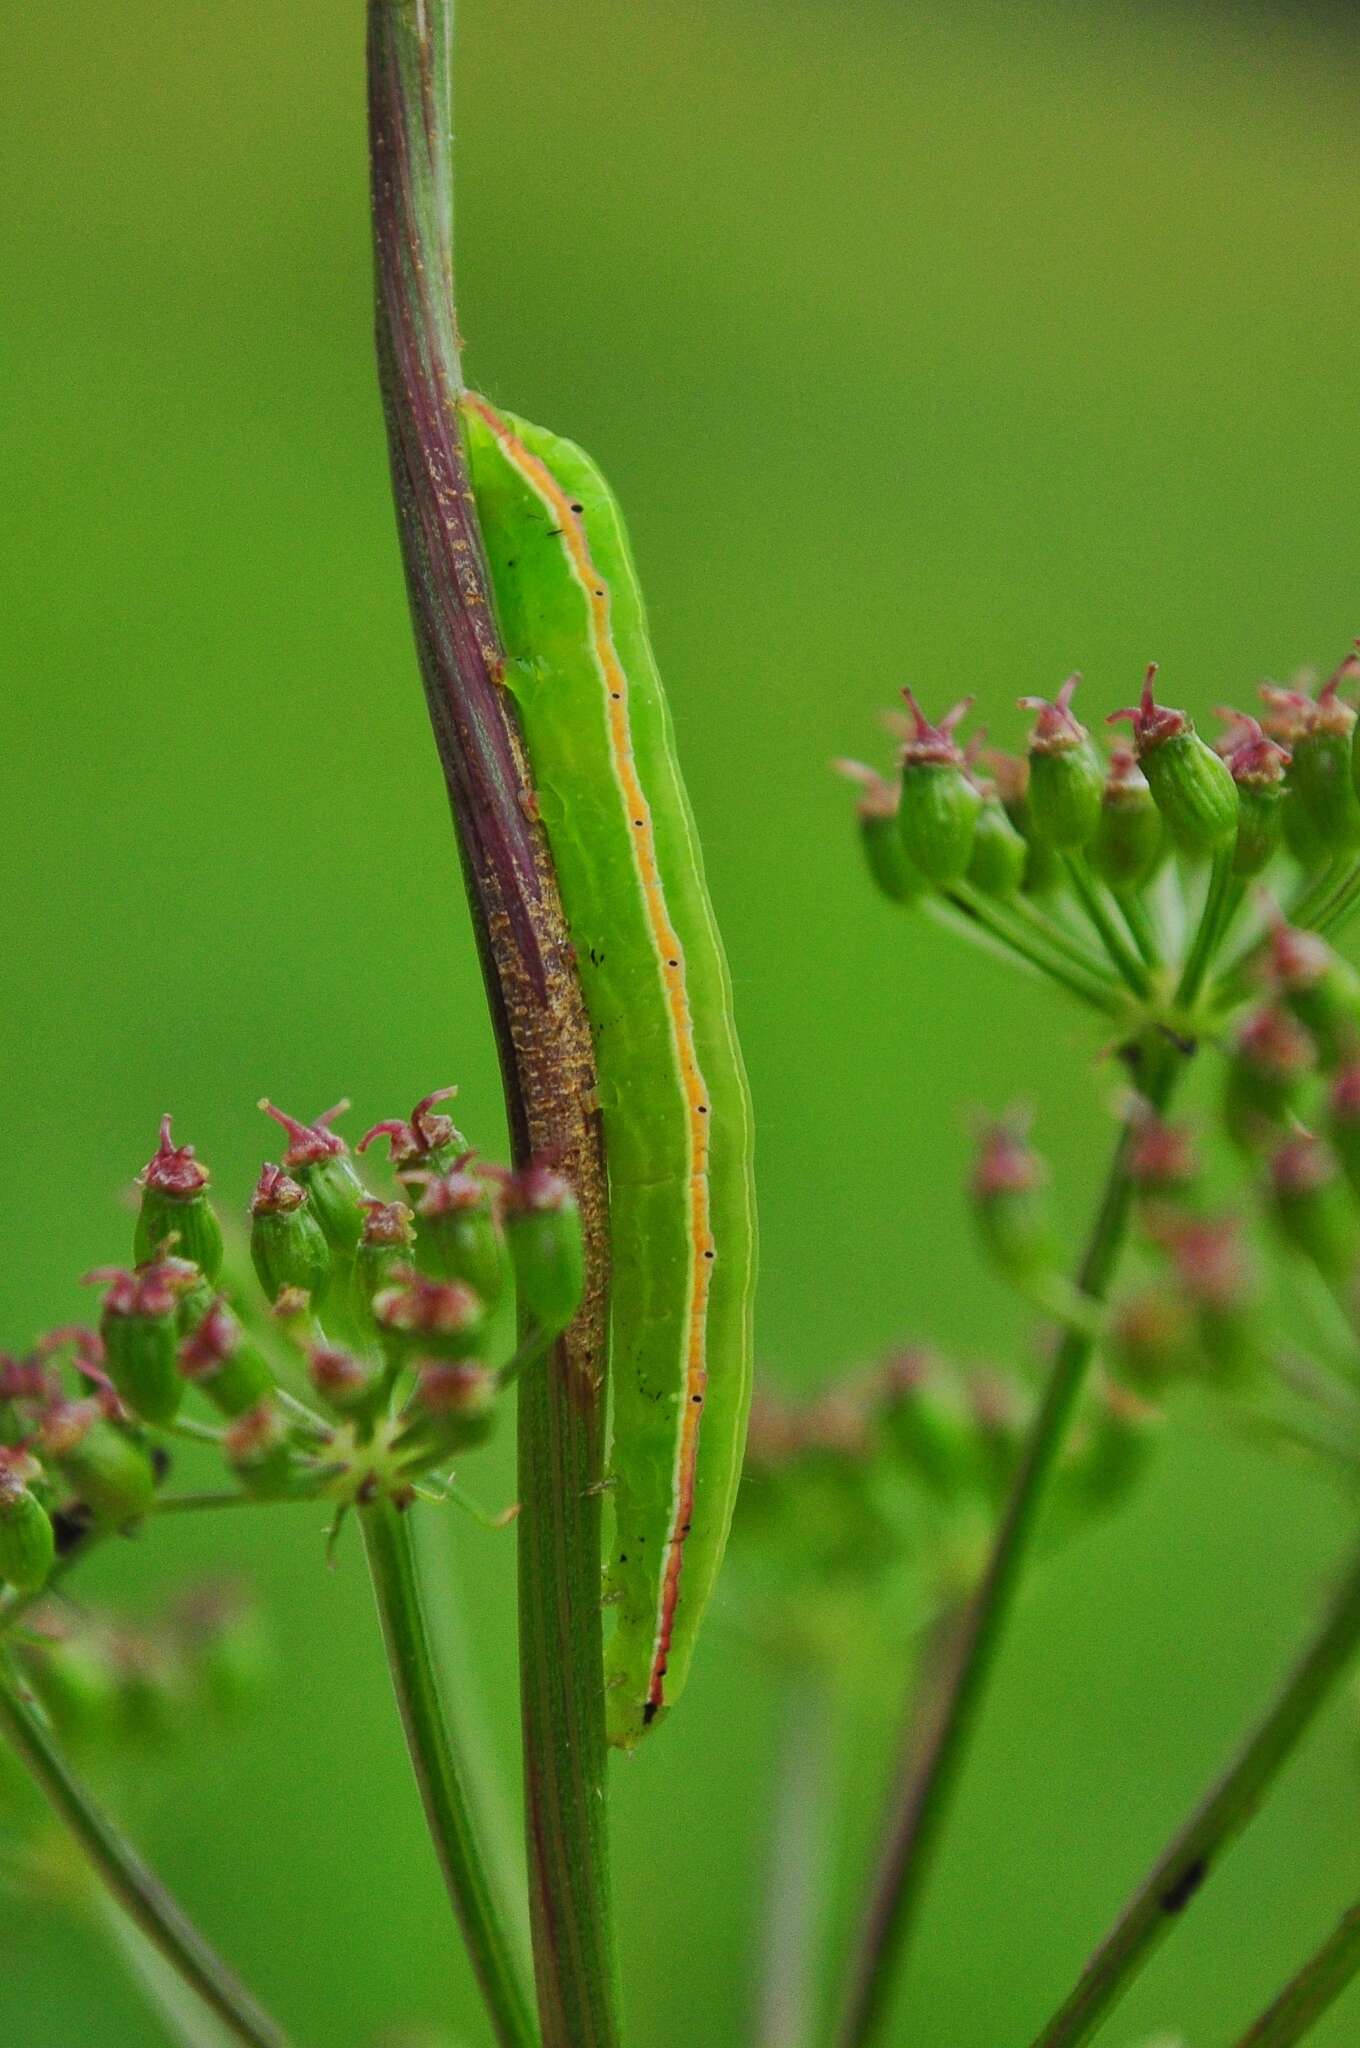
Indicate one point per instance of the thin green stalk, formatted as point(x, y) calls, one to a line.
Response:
point(1221, 899)
point(1089, 894)
point(137, 1891)
point(1318, 1985)
point(1338, 908)
point(1181, 1871)
point(1134, 913)
point(918, 1801)
point(795, 1888)
point(183, 2016)
point(441, 1775)
point(1082, 980)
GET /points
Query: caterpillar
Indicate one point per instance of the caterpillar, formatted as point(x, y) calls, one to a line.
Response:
point(673, 1096)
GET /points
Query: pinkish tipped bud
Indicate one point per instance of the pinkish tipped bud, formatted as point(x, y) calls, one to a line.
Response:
point(427, 1138)
point(452, 1410)
point(345, 1383)
point(1343, 1122)
point(28, 1546)
point(938, 809)
point(880, 838)
point(1267, 1066)
point(1319, 778)
point(1008, 1190)
point(458, 1236)
point(175, 1212)
point(1304, 1200)
point(257, 1448)
point(543, 1232)
point(219, 1357)
point(319, 1158)
point(922, 1411)
point(1320, 988)
point(1149, 1339)
point(1056, 729)
point(1192, 787)
point(1162, 1157)
point(105, 1469)
point(387, 1243)
point(288, 1247)
point(440, 1318)
point(1128, 838)
point(1065, 777)
point(1257, 766)
point(140, 1333)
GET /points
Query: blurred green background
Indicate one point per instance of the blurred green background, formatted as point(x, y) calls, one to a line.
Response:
point(946, 343)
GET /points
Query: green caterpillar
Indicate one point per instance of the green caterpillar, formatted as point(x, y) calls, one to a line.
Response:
point(672, 1090)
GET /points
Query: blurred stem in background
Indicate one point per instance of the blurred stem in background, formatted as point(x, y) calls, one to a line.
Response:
point(797, 1879)
point(1308, 1996)
point(441, 1773)
point(1180, 1873)
point(136, 1891)
point(536, 1007)
point(918, 1802)
point(185, 2020)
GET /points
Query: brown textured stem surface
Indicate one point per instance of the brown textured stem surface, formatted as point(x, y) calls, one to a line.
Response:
point(535, 1000)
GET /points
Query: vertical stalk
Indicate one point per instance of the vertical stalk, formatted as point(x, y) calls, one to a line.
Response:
point(184, 2018)
point(541, 1027)
point(1316, 1988)
point(441, 1774)
point(140, 1894)
point(786, 2012)
point(918, 1801)
point(1180, 1872)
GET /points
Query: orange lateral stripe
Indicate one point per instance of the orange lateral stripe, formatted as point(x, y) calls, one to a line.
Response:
point(673, 981)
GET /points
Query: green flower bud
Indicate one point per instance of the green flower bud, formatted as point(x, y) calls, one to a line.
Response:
point(1211, 1263)
point(105, 1468)
point(150, 1689)
point(1149, 1341)
point(1319, 774)
point(997, 865)
point(348, 1385)
point(1257, 766)
point(140, 1331)
point(175, 1211)
point(287, 1245)
point(547, 1249)
point(436, 1318)
point(1304, 1197)
point(1343, 1122)
point(1009, 1204)
point(1192, 787)
point(880, 836)
point(1268, 1064)
point(428, 1139)
point(72, 1676)
point(28, 1546)
point(938, 807)
point(1321, 990)
point(1162, 1160)
point(458, 1236)
point(1000, 1414)
point(1066, 781)
point(387, 1245)
point(1043, 865)
point(220, 1358)
point(452, 1409)
point(1120, 1435)
point(1129, 839)
point(319, 1158)
point(926, 1423)
point(258, 1448)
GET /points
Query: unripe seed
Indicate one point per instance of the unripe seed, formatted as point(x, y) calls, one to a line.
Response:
point(999, 856)
point(258, 1449)
point(175, 1211)
point(1129, 839)
point(27, 1544)
point(1066, 780)
point(318, 1157)
point(1266, 1069)
point(140, 1331)
point(1257, 766)
point(1303, 1191)
point(884, 854)
point(1320, 768)
point(428, 1138)
point(457, 1234)
point(438, 1318)
point(939, 805)
point(105, 1468)
point(1008, 1190)
point(219, 1357)
point(287, 1245)
point(1320, 988)
point(1192, 787)
point(921, 1409)
point(547, 1249)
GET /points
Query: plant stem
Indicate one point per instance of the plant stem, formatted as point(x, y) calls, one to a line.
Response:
point(1081, 978)
point(184, 2017)
point(919, 1800)
point(1180, 1872)
point(534, 994)
point(137, 1891)
point(1134, 913)
point(1088, 893)
point(1220, 901)
point(440, 1773)
point(1317, 1986)
point(786, 2014)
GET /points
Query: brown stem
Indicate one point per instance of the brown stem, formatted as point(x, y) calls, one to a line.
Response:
point(541, 1027)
